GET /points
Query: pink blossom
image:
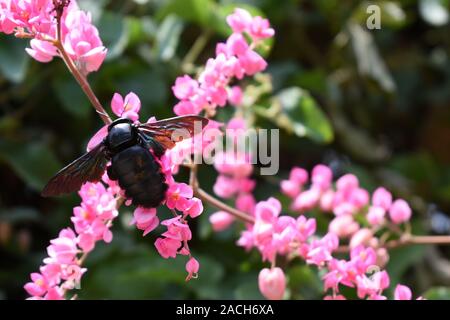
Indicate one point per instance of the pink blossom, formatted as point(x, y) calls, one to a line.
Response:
point(305, 228)
point(402, 293)
point(185, 87)
point(321, 176)
point(260, 29)
point(299, 175)
point(382, 198)
point(184, 108)
point(167, 247)
point(235, 96)
point(347, 183)
point(252, 62)
point(343, 226)
point(376, 216)
point(246, 202)
point(306, 200)
point(145, 219)
point(272, 283)
point(290, 188)
point(128, 107)
point(221, 220)
point(38, 287)
point(192, 267)
point(194, 208)
point(372, 286)
point(240, 20)
point(63, 249)
point(326, 201)
point(176, 229)
point(400, 211)
point(178, 195)
point(361, 237)
point(226, 187)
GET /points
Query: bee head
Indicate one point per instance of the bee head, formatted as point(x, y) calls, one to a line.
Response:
point(121, 134)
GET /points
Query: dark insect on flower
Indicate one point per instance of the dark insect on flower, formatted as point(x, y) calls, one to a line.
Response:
point(128, 146)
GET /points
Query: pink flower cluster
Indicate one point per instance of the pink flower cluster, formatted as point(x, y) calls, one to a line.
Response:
point(274, 234)
point(347, 201)
point(62, 268)
point(36, 19)
point(234, 59)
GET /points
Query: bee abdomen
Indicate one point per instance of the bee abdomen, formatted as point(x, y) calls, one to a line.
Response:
point(139, 174)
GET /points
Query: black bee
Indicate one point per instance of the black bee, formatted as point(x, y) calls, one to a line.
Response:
point(128, 146)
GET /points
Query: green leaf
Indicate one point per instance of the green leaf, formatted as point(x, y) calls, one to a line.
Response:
point(197, 11)
point(299, 113)
point(167, 37)
point(437, 293)
point(34, 162)
point(114, 31)
point(72, 98)
point(13, 58)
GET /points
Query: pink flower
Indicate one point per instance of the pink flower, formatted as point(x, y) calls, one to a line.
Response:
point(402, 293)
point(347, 182)
point(326, 201)
point(82, 41)
point(41, 51)
point(38, 287)
point(128, 108)
point(185, 87)
point(63, 249)
point(226, 187)
point(376, 215)
point(400, 211)
point(178, 195)
point(260, 29)
point(235, 96)
point(290, 188)
point(236, 44)
point(382, 198)
point(167, 247)
point(194, 208)
point(246, 202)
point(306, 200)
point(343, 226)
point(176, 229)
point(305, 228)
point(372, 286)
point(252, 62)
point(321, 176)
point(361, 237)
point(185, 107)
point(240, 20)
point(145, 219)
point(192, 267)
point(221, 220)
point(299, 175)
point(272, 283)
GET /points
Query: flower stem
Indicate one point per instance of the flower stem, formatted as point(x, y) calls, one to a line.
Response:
point(203, 195)
point(81, 79)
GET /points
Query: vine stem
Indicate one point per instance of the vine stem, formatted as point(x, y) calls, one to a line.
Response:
point(205, 196)
point(79, 77)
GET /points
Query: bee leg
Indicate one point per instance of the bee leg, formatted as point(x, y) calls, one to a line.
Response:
point(111, 174)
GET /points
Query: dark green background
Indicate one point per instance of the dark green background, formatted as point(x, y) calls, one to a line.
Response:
point(372, 102)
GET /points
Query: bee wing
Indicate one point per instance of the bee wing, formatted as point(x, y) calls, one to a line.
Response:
point(170, 131)
point(88, 167)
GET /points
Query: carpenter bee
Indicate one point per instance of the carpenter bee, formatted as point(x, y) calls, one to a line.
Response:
point(132, 149)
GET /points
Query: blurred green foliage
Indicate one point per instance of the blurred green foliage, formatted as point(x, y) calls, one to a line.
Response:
point(372, 102)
